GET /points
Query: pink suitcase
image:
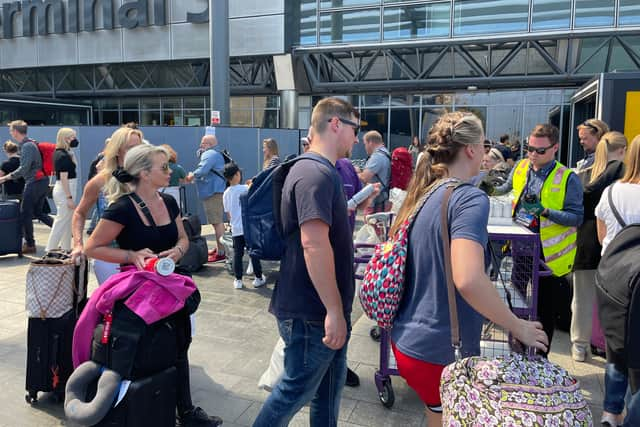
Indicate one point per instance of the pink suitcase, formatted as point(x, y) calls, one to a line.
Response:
point(598, 345)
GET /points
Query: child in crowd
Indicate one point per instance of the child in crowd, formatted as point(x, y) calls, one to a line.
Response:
point(231, 203)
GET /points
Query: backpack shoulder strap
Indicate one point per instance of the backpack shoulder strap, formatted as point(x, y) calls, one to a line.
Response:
point(614, 210)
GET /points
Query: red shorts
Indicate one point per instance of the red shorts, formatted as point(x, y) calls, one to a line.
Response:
point(423, 377)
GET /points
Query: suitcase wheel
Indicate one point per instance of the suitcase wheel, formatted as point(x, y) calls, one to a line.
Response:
point(387, 396)
point(31, 397)
point(374, 333)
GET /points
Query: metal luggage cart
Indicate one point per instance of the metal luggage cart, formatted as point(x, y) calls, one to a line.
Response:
point(516, 282)
point(363, 252)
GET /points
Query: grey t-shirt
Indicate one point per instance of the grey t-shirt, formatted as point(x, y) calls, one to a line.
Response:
point(380, 164)
point(312, 190)
point(422, 328)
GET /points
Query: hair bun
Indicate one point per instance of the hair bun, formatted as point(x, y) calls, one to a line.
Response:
point(122, 175)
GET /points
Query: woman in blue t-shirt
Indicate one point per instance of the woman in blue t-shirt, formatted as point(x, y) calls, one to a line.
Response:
point(421, 334)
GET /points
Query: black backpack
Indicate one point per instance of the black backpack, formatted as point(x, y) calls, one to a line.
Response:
point(618, 296)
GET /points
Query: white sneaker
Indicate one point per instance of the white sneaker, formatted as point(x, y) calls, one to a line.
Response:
point(609, 420)
point(259, 282)
point(237, 284)
point(578, 353)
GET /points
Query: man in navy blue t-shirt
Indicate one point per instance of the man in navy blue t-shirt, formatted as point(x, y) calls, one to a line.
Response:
point(313, 298)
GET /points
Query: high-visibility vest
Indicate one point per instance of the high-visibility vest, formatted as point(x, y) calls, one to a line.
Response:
point(558, 241)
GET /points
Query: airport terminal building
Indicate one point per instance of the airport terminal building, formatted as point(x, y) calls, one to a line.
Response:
point(512, 62)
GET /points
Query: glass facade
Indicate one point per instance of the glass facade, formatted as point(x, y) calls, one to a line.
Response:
point(325, 22)
point(245, 111)
point(400, 116)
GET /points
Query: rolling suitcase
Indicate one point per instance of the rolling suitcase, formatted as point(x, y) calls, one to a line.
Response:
point(49, 340)
point(598, 344)
point(10, 229)
point(150, 401)
point(197, 254)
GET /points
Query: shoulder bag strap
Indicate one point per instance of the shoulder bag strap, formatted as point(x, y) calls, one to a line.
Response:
point(144, 208)
point(451, 291)
point(613, 207)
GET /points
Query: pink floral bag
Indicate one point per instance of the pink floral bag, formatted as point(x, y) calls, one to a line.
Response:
point(383, 283)
point(512, 390)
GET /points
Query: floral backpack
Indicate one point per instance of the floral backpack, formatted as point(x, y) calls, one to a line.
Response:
point(383, 283)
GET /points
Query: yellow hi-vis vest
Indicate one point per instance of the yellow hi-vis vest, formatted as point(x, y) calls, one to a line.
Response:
point(558, 241)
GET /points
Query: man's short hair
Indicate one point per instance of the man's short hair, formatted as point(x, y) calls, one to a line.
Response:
point(19, 126)
point(373, 136)
point(330, 107)
point(546, 130)
point(504, 138)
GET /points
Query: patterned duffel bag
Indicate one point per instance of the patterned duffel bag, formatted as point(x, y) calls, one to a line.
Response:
point(511, 390)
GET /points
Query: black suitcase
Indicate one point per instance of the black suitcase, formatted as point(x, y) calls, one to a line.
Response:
point(10, 229)
point(150, 401)
point(49, 344)
point(49, 355)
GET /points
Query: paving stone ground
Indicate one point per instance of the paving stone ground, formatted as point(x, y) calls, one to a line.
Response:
point(232, 346)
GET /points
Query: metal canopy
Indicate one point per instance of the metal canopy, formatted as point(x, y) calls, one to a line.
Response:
point(489, 64)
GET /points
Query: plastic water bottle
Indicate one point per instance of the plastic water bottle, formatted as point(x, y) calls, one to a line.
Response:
point(360, 196)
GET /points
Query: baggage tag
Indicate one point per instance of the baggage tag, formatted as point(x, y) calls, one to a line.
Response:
point(124, 386)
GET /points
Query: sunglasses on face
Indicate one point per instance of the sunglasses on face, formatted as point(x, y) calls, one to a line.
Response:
point(354, 125)
point(165, 167)
point(538, 150)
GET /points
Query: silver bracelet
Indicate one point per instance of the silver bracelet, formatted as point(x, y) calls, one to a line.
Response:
point(180, 249)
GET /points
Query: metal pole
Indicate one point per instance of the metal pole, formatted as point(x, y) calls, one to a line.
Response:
point(219, 59)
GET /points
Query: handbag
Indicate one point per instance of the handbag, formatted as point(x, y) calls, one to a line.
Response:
point(514, 389)
point(51, 285)
point(382, 287)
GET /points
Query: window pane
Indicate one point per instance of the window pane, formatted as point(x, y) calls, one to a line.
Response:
point(194, 118)
point(350, 26)
point(308, 20)
point(172, 117)
point(241, 118)
point(594, 13)
point(487, 17)
point(150, 103)
point(629, 12)
point(236, 102)
point(194, 102)
point(151, 118)
point(130, 116)
point(411, 22)
point(266, 118)
point(129, 104)
point(326, 4)
point(110, 118)
point(551, 14)
point(171, 103)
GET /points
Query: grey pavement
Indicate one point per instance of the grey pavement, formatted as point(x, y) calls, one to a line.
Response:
point(234, 337)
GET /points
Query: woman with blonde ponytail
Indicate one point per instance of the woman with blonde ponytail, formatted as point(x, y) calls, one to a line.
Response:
point(607, 168)
point(421, 334)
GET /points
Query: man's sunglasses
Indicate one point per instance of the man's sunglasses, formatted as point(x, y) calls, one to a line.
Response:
point(540, 150)
point(354, 125)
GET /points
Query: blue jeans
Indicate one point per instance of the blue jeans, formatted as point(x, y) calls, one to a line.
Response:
point(313, 373)
point(615, 388)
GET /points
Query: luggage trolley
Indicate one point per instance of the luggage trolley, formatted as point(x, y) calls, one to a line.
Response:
point(363, 252)
point(516, 282)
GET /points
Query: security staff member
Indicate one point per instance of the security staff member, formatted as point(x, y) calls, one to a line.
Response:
point(548, 200)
